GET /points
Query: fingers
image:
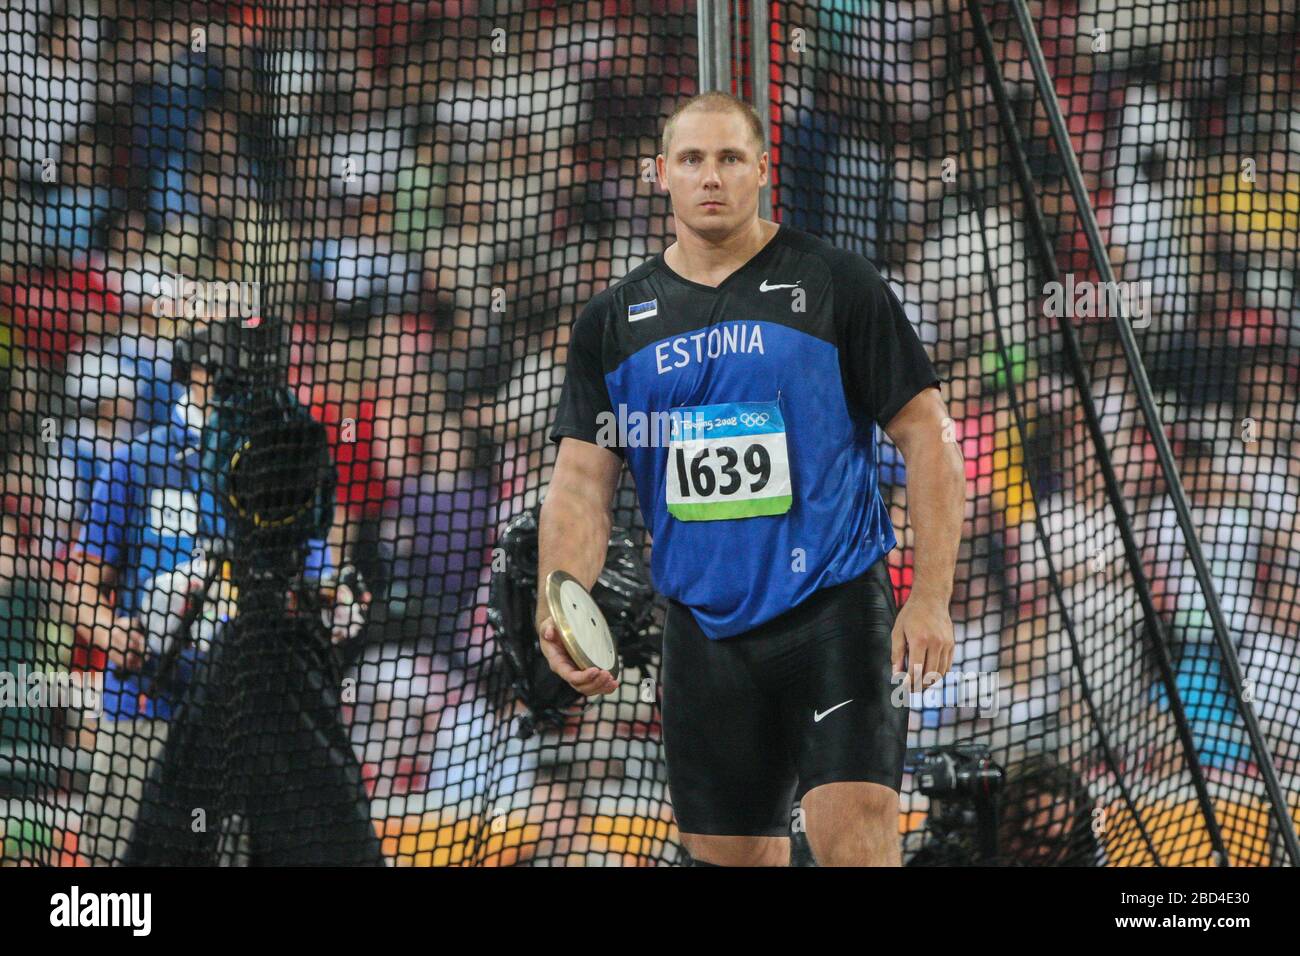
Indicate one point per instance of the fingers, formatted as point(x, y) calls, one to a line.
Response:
point(898, 645)
point(945, 659)
point(929, 659)
point(556, 656)
point(916, 665)
point(927, 662)
point(592, 681)
point(929, 652)
point(932, 667)
point(595, 681)
point(944, 647)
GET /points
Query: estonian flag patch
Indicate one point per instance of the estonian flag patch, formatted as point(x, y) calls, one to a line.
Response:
point(643, 310)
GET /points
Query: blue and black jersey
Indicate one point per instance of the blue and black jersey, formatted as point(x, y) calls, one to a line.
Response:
point(747, 414)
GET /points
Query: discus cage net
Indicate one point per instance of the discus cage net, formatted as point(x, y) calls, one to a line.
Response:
point(417, 198)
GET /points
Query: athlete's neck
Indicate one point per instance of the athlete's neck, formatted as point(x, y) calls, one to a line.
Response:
point(698, 259)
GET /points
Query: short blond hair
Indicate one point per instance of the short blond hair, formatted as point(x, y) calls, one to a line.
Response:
point(716, 101)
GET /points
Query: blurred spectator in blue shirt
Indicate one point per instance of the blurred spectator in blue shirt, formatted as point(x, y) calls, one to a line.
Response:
point(168, 115)
point(101, 401)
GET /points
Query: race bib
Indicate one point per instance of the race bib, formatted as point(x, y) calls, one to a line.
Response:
point(727, 461)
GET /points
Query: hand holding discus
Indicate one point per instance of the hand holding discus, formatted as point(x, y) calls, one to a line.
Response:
point(576, 639)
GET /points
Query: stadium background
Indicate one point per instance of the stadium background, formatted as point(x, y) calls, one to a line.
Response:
point(453, 181)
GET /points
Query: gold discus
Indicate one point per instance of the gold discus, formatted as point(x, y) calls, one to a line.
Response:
point(583, 629)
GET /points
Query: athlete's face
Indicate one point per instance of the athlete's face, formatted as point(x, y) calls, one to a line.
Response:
point(713, 171)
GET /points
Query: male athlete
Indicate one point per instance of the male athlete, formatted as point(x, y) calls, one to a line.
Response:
point(741, 375)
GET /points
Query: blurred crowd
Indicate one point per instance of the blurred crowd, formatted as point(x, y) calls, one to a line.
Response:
point(426, 193)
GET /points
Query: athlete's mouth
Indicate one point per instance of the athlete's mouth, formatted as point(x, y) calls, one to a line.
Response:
point(712, 203)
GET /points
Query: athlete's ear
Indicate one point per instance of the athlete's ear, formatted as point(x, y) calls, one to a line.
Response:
point(661, 171)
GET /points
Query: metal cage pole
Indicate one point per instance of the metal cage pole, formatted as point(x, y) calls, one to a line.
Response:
point(723, 63)
point(714, 44)
point(760, 69)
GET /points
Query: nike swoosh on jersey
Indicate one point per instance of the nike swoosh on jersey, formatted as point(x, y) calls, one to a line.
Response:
point(818, 716)
point(764, 287)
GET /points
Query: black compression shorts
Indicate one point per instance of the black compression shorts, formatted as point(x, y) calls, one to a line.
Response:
point(753, 722)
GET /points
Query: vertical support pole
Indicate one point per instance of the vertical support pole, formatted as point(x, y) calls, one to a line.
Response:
point(760, 78)
point(714, 44)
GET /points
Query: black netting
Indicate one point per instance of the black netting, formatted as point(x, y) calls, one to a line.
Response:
point(393, 212)
point(1180, 116)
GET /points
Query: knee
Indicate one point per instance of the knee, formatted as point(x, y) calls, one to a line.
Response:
point(738, 850)
point(877, 843)
point(852, 827)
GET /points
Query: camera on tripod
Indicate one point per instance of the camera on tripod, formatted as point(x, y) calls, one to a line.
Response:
point(264, 458)
point(959, 770)
point(266, 483)
point(963, 784)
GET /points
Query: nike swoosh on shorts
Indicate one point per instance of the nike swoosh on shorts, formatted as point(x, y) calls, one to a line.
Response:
point(817, 717)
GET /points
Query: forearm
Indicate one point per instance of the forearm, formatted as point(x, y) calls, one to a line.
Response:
point(936, 506)
point(573, 536)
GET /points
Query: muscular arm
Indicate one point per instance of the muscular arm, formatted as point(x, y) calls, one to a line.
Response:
point(573, 535)
point(936, 505)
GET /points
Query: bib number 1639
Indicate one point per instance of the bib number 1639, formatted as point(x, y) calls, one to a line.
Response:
point(720, 468)
point(728, 461)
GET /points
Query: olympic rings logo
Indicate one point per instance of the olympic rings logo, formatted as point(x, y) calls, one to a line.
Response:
point(753, 418)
